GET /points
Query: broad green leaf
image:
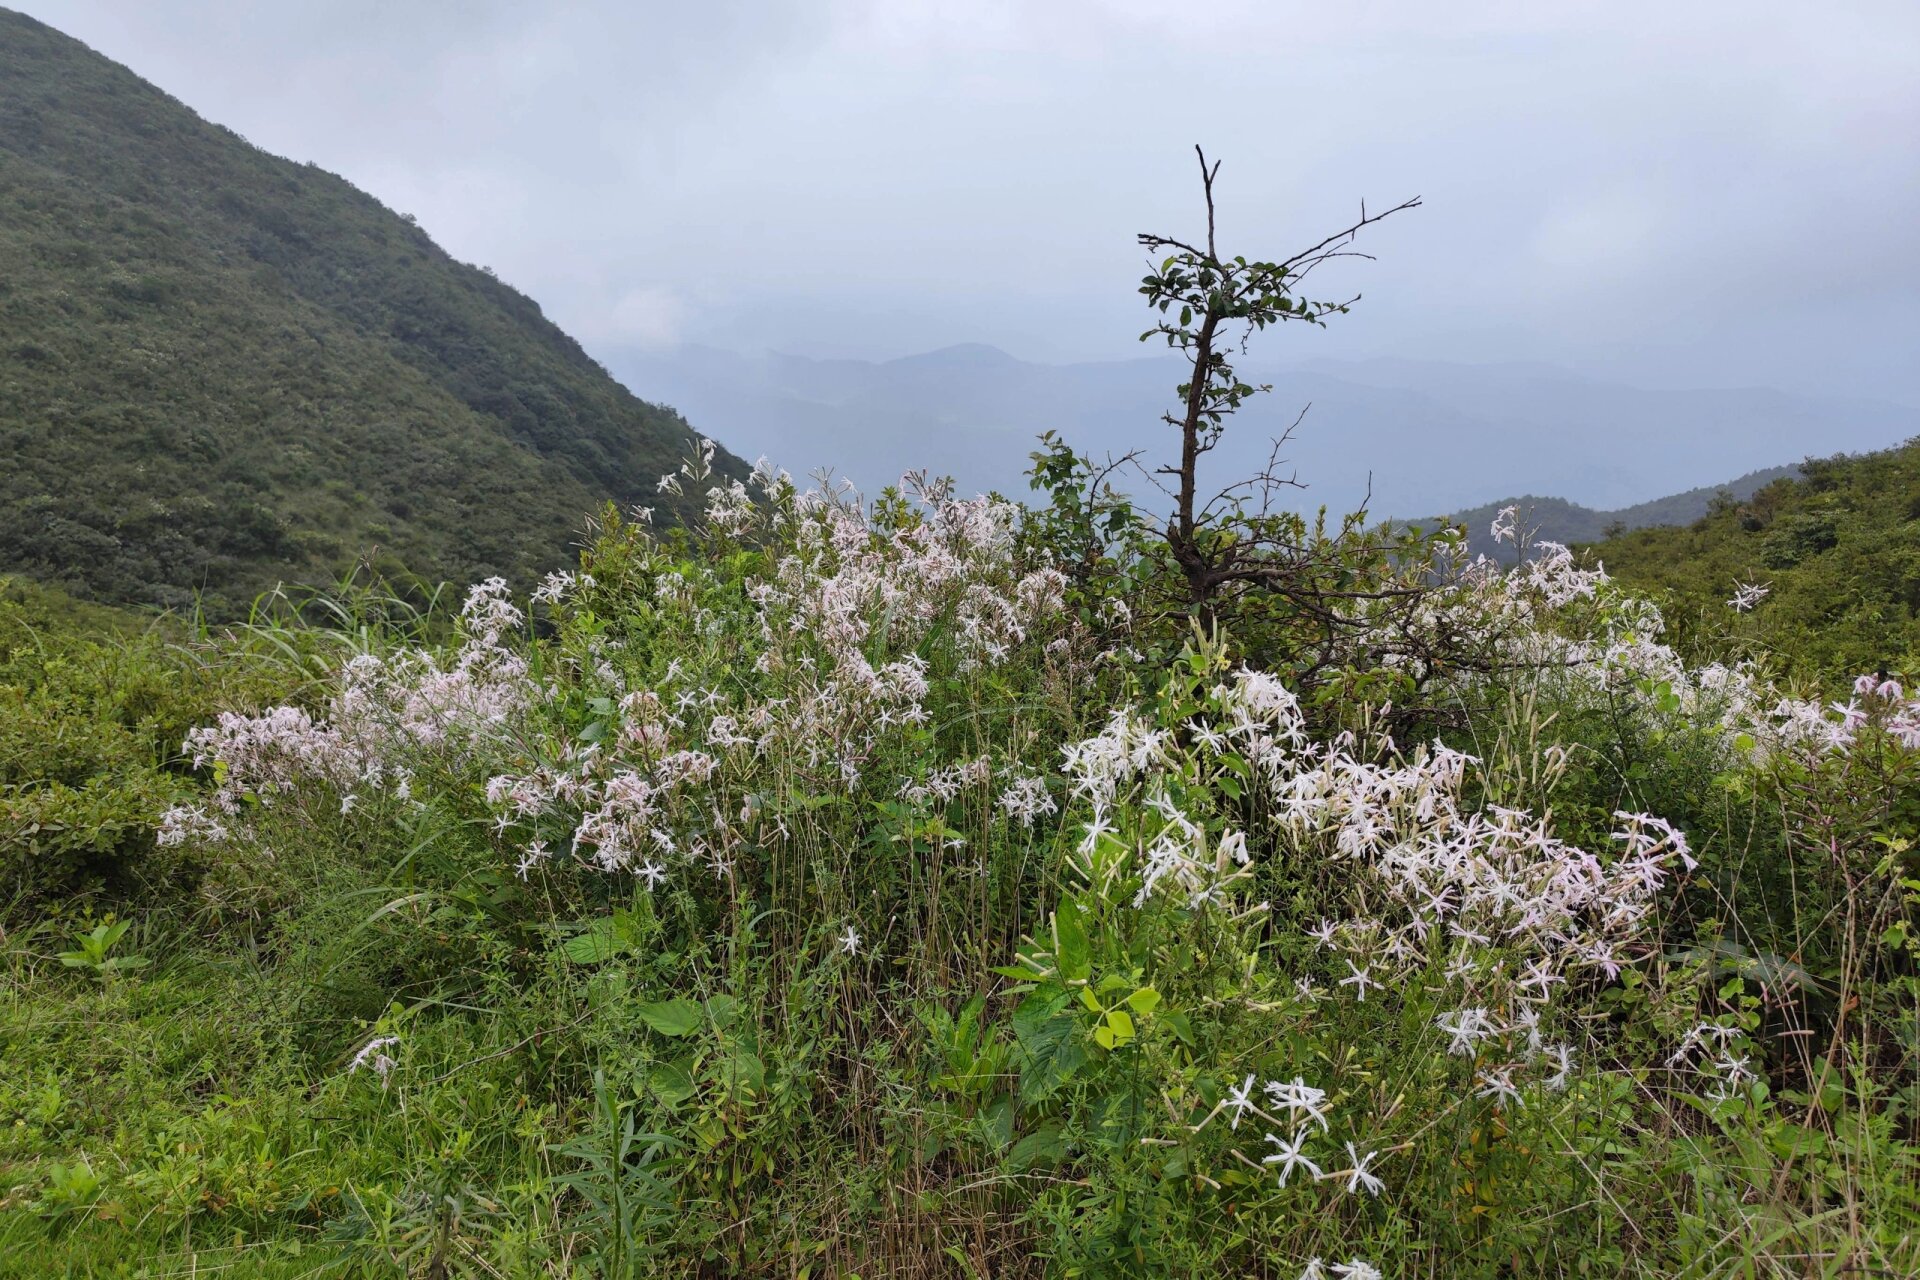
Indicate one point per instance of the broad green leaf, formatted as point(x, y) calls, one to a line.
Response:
point(999, 1117)
point(672, 1082)
point(1071, 947)
point(1792, 1140)
point(671, 1017)
point(596, 944)
point(1042, 1146)
point(1048, 1039)
point(1034, 1018)
point(746, 1073)
point(724, 1010)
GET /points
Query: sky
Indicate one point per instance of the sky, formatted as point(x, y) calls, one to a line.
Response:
point(1669, 194)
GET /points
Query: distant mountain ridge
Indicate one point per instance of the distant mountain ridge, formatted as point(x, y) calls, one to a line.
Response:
point(1419, 437)
point(220, 369)
point(1557, 520)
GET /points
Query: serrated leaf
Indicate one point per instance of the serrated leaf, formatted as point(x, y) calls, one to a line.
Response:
point(596, 944)
point(1045, 1145)
point(746, 1073)
point(1071, 948)
point(1791, 1140)
point(672, 1082)
point(1034, 1016)
point(1048, 1042)
point(674, 1018)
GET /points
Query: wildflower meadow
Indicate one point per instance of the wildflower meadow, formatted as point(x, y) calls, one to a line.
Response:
point(942, 885)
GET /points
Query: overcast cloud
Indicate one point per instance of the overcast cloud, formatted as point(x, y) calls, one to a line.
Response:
point(1691, 193)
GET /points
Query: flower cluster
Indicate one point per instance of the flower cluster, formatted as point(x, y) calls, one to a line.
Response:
point(374, 1056)
point(1485, 901)
point(847, 592)
point(1025, 799)
point(1487, 904)
point(382, 713)
point(845, 617)
point(1178, 854)
point(1710, 1050)
point(1299, 1110)
point(1879, 703)
point(1602, 646)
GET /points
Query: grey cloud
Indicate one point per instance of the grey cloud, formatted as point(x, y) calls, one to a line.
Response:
point(1707, 192)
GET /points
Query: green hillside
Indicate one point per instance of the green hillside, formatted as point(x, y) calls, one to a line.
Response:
point(1839, 552)
point(1559, 520)
point(219, 368)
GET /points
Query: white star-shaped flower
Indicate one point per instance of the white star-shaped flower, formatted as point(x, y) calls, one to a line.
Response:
point(1287, 1156)
point(1358, 1177)
point(1361, 978)
point(1239, 1101)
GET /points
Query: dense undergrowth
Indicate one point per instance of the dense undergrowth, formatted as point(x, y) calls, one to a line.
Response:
point(916, 889)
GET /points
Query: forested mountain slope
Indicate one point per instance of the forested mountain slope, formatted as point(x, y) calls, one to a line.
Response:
point(1559, 520)
point(1838, 552)
point(220, 369)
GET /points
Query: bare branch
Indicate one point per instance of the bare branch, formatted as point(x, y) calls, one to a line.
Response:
point(1206, 181)
point(1340, 237)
